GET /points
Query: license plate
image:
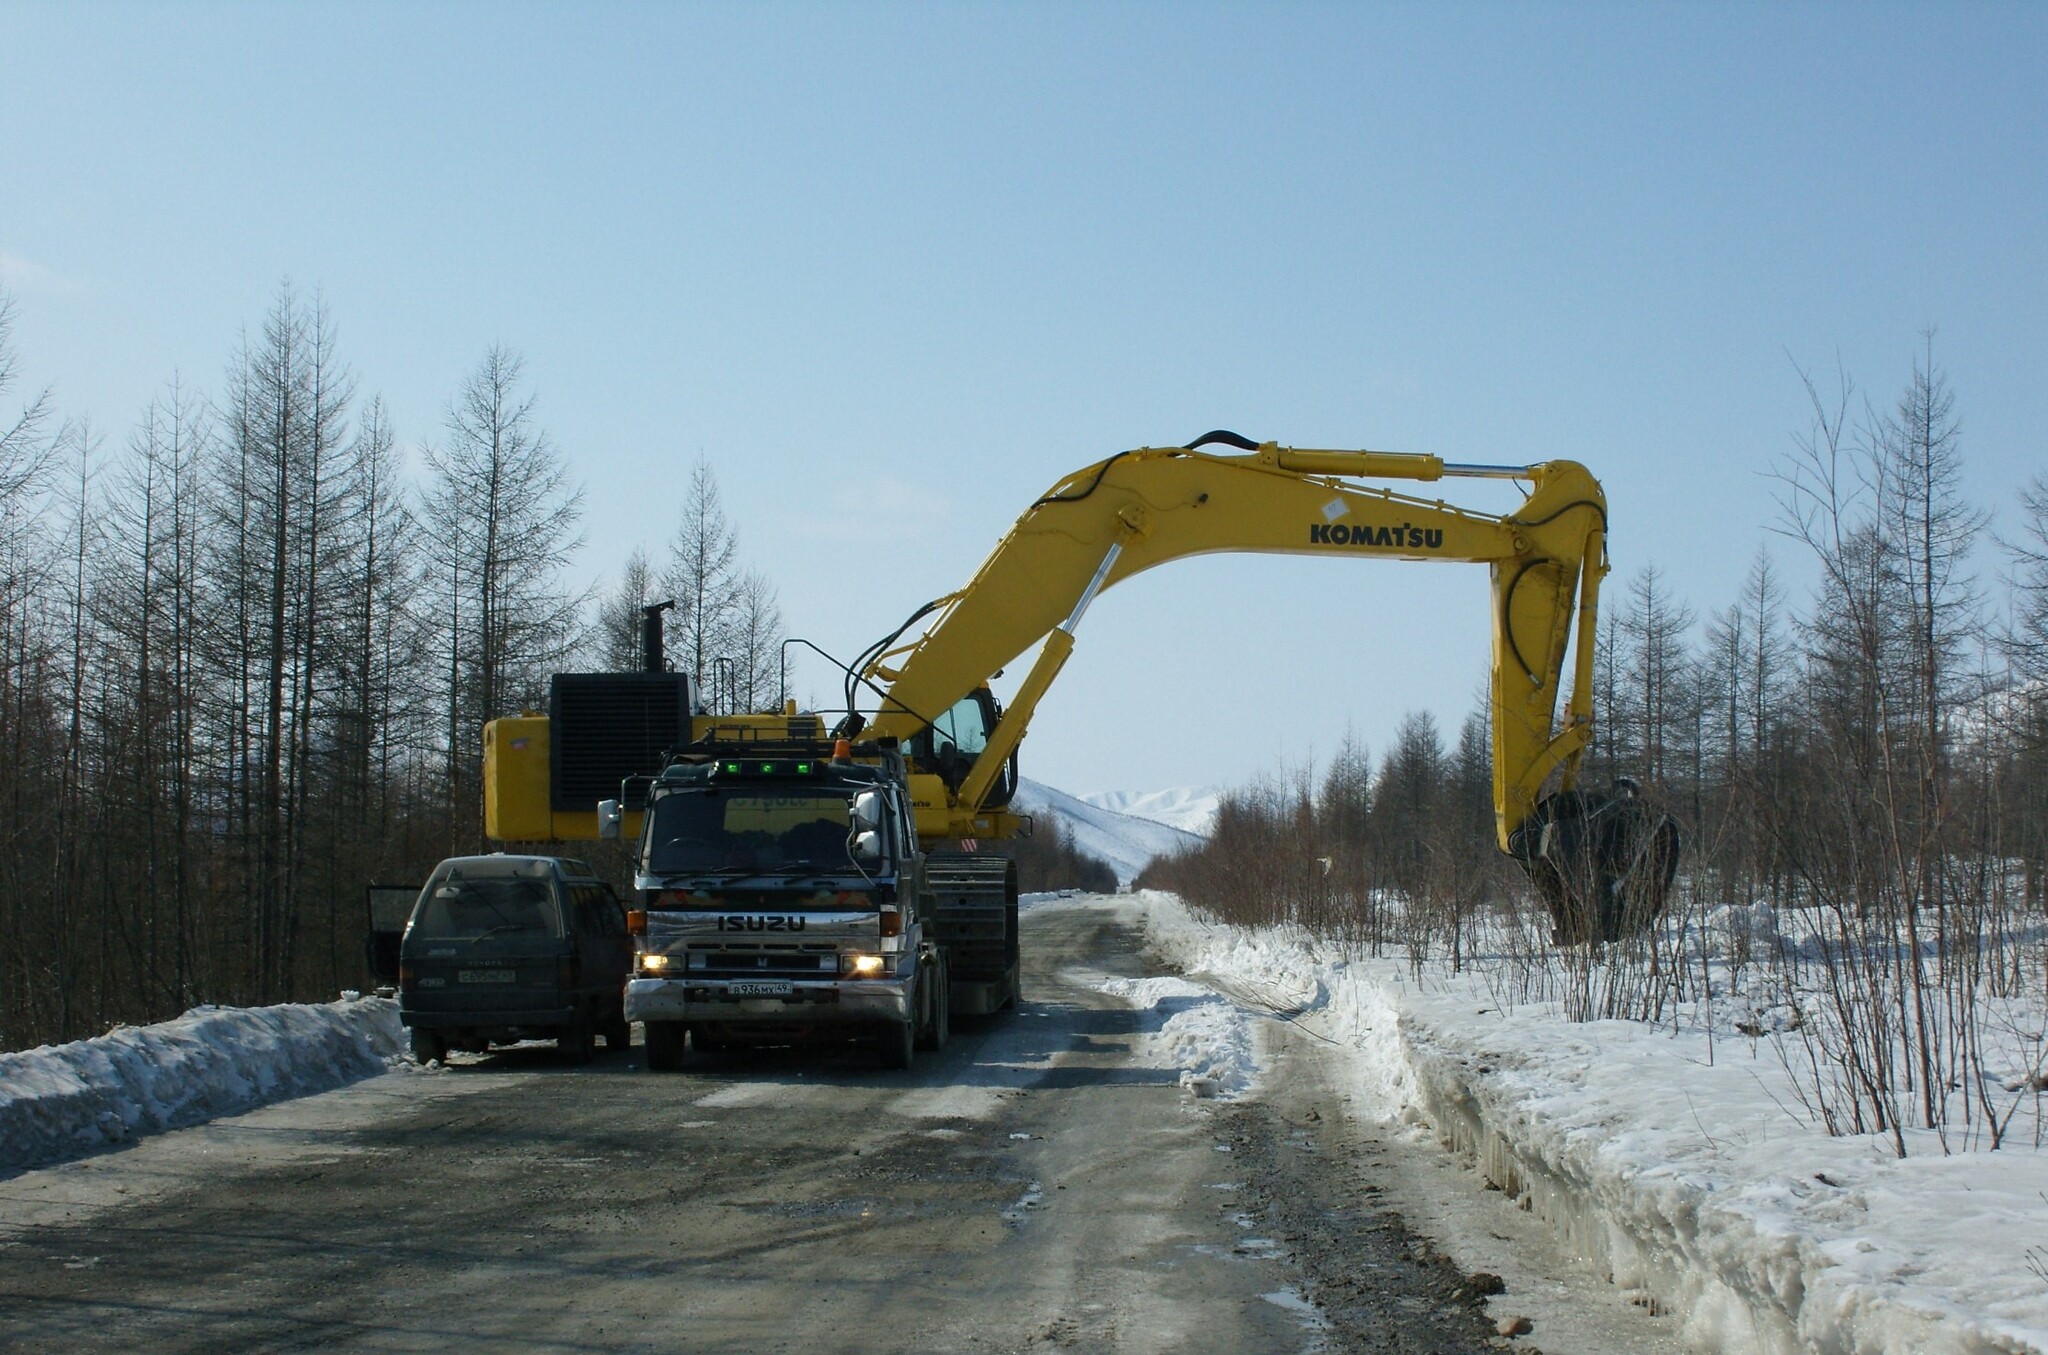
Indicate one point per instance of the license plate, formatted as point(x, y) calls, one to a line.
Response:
point(487, 975)
point(760, 989)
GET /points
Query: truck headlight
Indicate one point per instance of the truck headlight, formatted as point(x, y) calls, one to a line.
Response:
point(866, 966)
point(655, 964)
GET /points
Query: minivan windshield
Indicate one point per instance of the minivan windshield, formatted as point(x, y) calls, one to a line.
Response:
point(747, 830)
point(475, 902)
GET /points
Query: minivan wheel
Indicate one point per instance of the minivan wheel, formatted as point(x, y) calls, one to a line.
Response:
point(664, 1046)
point(578, 1040)
point(428, 1046)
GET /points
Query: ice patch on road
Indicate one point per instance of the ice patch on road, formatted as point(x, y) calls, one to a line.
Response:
point(740, 1095)
point(1212, 1040)
point(1053, 900)
point(1032, 1198)
point(1292, 1301)
point(948, 1103)
point(63, 1100)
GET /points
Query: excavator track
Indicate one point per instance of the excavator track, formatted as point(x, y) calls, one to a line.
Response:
point(970, 901)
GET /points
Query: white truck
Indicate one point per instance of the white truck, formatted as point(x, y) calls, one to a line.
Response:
point(782, 896)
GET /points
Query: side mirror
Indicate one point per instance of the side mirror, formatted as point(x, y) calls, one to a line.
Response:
point(867, 811)
point(611, 819)
point(867, 845)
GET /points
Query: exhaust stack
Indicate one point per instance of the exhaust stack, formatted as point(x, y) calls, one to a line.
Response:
point(653, 652)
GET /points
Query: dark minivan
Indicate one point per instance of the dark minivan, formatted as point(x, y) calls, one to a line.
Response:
point(507, 948)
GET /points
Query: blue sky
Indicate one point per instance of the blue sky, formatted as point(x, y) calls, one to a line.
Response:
point(895, 269)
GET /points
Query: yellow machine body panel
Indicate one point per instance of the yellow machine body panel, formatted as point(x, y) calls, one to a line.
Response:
point(518, 798)
point(516, 802)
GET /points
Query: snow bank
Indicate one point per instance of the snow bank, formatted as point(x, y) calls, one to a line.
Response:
point(62, 1100)
point(1669, 1162)
point(1209, 1038)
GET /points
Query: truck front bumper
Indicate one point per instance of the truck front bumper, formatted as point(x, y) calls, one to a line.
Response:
point(864, 1002)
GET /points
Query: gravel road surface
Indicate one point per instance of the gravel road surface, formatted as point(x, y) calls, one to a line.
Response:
point(1032, 1187)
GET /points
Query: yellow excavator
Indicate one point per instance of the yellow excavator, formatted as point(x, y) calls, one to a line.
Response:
point(1603, 863)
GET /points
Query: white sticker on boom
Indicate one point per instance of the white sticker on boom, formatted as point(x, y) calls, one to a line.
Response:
point(1334, 509)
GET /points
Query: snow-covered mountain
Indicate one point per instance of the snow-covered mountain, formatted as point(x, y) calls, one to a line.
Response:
point(1126, 841)
point(1192, 809)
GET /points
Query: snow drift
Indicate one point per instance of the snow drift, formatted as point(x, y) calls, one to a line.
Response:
point(63, 1100)
point(1205, 1035)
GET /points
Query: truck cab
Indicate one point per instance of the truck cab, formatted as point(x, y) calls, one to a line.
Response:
point(778, 902)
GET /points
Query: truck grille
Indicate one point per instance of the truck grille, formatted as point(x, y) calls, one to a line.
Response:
point(736, 962)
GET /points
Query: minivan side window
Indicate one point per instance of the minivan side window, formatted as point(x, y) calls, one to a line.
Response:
point(597, 912)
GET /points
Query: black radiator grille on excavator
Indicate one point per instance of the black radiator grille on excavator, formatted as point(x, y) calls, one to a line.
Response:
point(604, 727)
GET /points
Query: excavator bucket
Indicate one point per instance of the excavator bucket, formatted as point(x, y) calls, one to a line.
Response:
point(1603, 864)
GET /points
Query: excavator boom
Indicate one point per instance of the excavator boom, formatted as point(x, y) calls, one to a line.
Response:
point(1138, 509)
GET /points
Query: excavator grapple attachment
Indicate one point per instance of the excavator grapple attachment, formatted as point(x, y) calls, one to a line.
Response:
point(1603, 864)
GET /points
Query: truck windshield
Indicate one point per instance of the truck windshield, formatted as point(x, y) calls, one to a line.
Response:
point(748, 829)
point(470, 907)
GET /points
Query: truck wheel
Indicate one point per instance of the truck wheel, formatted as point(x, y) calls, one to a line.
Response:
point(939, 1028)
point(664, 1046)
point(428, 1047)
point(618, 1034)
point(898, 1046)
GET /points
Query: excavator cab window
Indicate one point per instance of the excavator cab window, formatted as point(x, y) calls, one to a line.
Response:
point(950, 744)
point(963, 730)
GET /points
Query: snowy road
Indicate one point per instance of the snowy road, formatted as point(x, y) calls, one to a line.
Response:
point(1038, 1185)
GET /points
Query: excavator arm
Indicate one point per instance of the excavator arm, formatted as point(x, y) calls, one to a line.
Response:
point(1142, 508)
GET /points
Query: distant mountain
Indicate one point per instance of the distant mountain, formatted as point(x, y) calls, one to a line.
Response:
point(1192, 809)
point(1128, 842)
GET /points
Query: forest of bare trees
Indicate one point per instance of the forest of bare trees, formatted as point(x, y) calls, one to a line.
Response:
point(246, 657)
point(1862, 772)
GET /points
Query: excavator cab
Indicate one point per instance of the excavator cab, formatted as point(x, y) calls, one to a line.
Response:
point(948, 746)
